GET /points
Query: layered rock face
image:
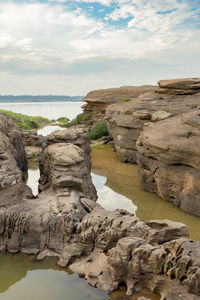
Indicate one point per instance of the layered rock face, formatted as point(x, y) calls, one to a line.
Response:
point(12, 163)
point(99, 100)
point(169, 160)
point(184, 86)
point(33, 142)
point(64, 166)
point(13, 136)
point(127, 120)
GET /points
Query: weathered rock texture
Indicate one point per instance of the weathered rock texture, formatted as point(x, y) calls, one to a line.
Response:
point(13, 136)
point(169, 160)
point(12, 163)
point(108, 247)
point(99, 100)
point(75, 135)
point(184, 86)
point(33, 143)
point(31, 138)
point(127, 120)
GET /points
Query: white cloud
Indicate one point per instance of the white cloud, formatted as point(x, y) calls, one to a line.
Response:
point(38, 38)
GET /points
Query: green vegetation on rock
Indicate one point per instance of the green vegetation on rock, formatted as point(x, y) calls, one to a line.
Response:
point(26, 122)
point(86, 117)
point(80, 119)
point(98, 130)
point(126, 100)
point(75, 121)
point(63, 120)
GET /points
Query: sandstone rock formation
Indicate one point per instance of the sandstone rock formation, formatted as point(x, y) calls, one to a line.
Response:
point(184, 86)
point(99, 100)
point(109, 248)
point(13, 136)
point(169, 160)
point(12, 163)
point(33, 143)
point(31, 138)
point(127, 120)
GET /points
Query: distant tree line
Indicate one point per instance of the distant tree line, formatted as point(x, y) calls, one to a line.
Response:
point(38, 98)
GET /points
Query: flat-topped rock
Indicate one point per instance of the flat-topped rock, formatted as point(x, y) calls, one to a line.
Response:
point(113, 95)
point(98, 100)
point(183, 86)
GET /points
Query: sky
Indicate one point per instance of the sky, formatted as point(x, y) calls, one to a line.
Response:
point(69, 47)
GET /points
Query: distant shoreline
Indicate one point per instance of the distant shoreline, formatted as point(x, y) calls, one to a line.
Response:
point(36, 99)
point(38, 102)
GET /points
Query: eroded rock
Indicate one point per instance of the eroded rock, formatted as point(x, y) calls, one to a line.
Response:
point(12, 163)
point(169, 162)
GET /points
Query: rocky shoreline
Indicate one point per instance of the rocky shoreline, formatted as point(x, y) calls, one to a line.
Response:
point(108, 248)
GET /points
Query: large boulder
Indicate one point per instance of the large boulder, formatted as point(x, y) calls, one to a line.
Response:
point(169, 160)
point(63, 167)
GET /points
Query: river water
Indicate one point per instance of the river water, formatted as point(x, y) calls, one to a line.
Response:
point(22, 277)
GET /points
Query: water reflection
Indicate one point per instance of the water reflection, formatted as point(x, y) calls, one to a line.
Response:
point(118, 187)
point(49, 129)
point(108, 198)
point(123, 179)
point(33, 176)
point(23, 277)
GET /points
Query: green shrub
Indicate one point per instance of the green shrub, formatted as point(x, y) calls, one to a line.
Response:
point(98, 130)
point(126, 100)
point(86, 117)
point(26, 122)
point(74, 121)
point(78, 118)
point(63, 120)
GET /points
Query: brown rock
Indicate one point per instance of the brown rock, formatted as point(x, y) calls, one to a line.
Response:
point(183, 86)
point(169, 163)
point(99, 100)
point(125, 121)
